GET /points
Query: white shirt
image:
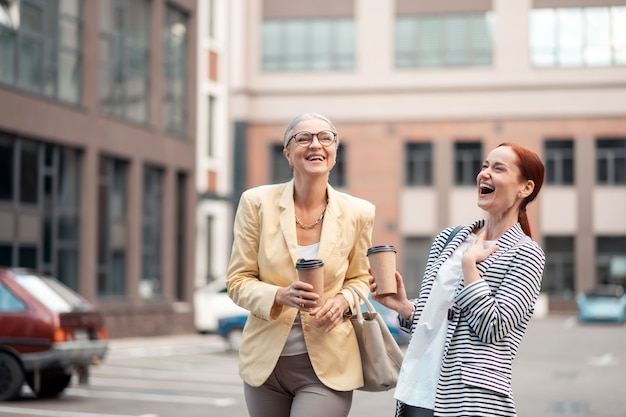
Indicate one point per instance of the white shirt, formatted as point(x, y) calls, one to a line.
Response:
point(417, 382)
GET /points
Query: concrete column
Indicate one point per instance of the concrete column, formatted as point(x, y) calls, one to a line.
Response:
point(134, 218)
point(585, 247)
point(443, 150)
point(374, 22)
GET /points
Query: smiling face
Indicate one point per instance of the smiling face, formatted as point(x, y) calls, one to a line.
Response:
point(314, 159)
point(501, 187)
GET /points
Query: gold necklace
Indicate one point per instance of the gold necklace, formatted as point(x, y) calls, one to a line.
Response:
point(312, 225)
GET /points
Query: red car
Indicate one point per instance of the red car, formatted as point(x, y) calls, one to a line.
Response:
point(47, 332)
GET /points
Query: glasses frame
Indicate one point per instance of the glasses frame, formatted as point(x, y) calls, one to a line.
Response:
point(306, 145)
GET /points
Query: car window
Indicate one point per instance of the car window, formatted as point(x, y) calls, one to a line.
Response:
point(51, 293)
point(9, 302)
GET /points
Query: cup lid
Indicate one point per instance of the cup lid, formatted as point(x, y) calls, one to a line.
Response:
point(382, 248)
point(309, 263)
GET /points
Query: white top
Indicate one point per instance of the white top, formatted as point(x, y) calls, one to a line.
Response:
point(295, 341)
point(417, 382)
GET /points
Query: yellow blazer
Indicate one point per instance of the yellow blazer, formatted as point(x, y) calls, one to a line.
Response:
point(264, 254)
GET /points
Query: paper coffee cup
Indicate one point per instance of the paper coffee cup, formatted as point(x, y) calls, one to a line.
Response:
point(382, 261)
point(311, 271)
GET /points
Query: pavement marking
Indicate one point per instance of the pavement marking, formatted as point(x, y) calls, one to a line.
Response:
point(160, 385)
point(180, 399)
point(54, 413)
point(604, 360)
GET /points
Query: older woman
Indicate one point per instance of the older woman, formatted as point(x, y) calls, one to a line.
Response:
point(299, 355)
point(476, 298)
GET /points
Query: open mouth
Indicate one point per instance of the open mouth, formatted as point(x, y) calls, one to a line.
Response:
point(486, 189)
point(315, 158)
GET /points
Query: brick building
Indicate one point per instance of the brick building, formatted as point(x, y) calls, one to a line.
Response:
point(421, 91)
point(97, 153)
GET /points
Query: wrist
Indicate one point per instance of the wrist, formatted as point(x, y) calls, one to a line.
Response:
point(347, 311)
point(408, 311)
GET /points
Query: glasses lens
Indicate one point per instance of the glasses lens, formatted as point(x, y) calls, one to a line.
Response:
point(303, 138)
point(325, 137)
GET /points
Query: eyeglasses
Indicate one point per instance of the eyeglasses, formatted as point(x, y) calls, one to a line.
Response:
point(304, 139)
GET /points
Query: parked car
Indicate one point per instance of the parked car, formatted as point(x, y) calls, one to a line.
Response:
point(602, 303)
point(47, 332)
point(212, 302)
point(391, 319)
point(231, 327)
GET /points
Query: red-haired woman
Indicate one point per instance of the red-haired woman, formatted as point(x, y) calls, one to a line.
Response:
point(476, 299)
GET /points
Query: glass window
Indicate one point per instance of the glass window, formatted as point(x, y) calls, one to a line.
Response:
point(610, 260)
point(181, 247)
point(308, 45)
point(559, 157)
point(51, 293)
point(211, 238)
point(150, 285)
point(40, 47)
point(6, 254)
point(27, 257)
point(9, 301)
point(280, 170)
point(577, 37)
point(337, 177)
point(467, 162)
point(460, 40)
point(48, 181)
point(112, 227)
point(125, 58)
point(175, 71)
point(560, 272)
point(29, 172)
point(611, 161)
point(6, 167)
point(415, 257)
point(211, 18)
point(419, 164)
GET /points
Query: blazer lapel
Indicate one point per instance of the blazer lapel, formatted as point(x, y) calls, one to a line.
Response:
point(287, 221)
point(332, 226)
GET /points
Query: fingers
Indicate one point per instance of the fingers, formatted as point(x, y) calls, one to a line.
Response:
point(329, 315)
point(302, 297)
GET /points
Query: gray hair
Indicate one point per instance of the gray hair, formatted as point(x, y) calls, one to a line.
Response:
point(305, 116)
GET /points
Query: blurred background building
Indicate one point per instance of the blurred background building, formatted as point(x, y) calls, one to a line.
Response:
point(98, 153)
point(420, 91)
point(129, 128)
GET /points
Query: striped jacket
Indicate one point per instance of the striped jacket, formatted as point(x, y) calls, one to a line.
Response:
point(486, 325)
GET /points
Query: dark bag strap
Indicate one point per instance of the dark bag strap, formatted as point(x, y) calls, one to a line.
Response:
point(452, 234)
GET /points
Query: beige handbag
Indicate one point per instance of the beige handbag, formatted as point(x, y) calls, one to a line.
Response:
point(381, 357)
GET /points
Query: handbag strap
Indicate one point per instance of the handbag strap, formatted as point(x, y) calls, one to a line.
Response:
point(356, 293)
point(451, 235)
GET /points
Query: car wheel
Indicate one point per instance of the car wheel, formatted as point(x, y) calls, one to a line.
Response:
point(234, 339)
point(50, 385)
point(11, 377)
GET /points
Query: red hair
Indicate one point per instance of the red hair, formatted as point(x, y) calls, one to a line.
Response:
point(531, 168)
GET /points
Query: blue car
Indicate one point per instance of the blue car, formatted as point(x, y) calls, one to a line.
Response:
point(390, 318)
point(605, 303)
point(231, 327)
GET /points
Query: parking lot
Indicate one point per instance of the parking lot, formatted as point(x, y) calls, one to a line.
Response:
point(563, 369)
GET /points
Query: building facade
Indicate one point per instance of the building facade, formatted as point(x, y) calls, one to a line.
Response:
point(421, 91)
point(214, 180)
point(97, 153)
